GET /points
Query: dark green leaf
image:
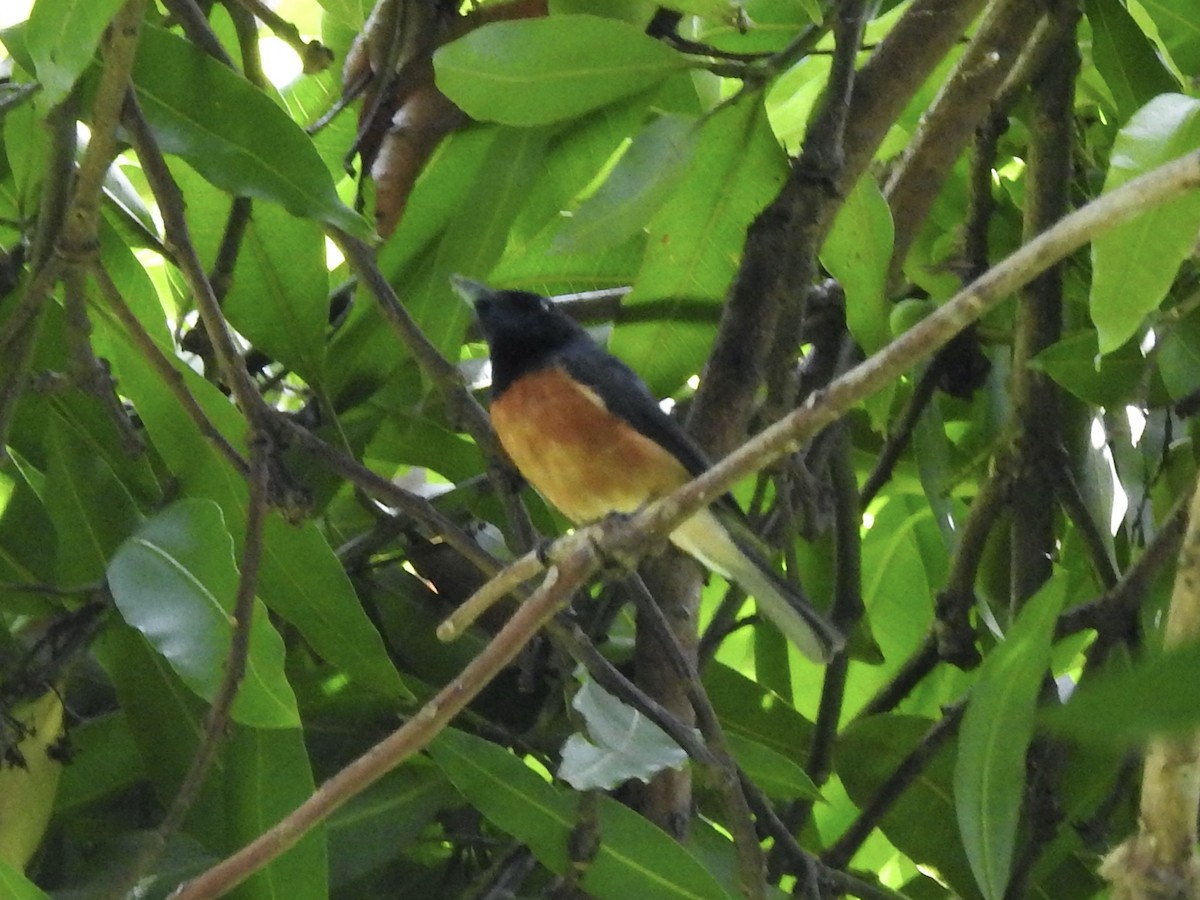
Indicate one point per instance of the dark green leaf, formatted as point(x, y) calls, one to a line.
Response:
point(232, 133)
point(1125, 57)
point(267, 775)
point(537, 71)
point(174, 580)
point(738, 166)
point(303, 581)
point(1075, 363)
point(383, 821)
point(62, 37)
point(779, 775)
point(1135, 263)
point(989, 777)
point(1126, 707)
point(91, 509)
point(921, 822)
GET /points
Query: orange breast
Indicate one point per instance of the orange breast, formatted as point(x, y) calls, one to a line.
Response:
point(582, 458)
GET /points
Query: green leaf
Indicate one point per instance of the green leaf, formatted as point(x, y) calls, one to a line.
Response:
point(1134, 264)
point(1076, 364)
point(634, 858)
point(1125, 707)
point(1178, 356)
point(621, 744)
point(303, 581)
point(1125, 57)
point(510, 794)
point(92, 511)
point(857, 253)
point(232, 133)
point(921, 822)
point(375, 826)
point(62, 37)
point(15, 886)
point(175, 581)
point(737, 168)
point(537, 71)
point(779, 775)
point(989, 776)
point(1179, 30)
point(279, 297)
point(644, 178)
point(267, 775)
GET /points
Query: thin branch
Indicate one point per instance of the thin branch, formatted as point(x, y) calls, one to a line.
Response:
point(388, 492)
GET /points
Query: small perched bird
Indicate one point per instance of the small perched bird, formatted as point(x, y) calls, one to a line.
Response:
point(586, 432)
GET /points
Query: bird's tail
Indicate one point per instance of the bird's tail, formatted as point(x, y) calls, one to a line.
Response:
point(705, 537)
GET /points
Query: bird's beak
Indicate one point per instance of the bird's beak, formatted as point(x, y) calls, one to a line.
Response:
point(470, 290)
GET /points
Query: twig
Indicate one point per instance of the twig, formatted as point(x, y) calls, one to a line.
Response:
point(198, 31)
point(388, 492)
point(502, 584)
point(315, 56)
point(729, 784)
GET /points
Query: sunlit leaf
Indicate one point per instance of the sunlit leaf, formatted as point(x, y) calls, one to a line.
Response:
point(1135, 263)
point(537, 71)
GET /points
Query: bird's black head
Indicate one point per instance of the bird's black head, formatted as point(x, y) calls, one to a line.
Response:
point(523, 330)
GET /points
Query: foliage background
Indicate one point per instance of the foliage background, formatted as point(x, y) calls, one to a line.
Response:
point(186, 379)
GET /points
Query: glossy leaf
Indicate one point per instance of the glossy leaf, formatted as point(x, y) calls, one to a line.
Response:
point(232, 133)
point(989, 777)
point(537, 71)
point(174, 580)
point(641, 182)
point(62, 38)
point(857, 253)
point(621, 744)
point(1135, 263)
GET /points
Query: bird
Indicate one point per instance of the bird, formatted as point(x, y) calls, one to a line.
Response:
point(587, 433)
